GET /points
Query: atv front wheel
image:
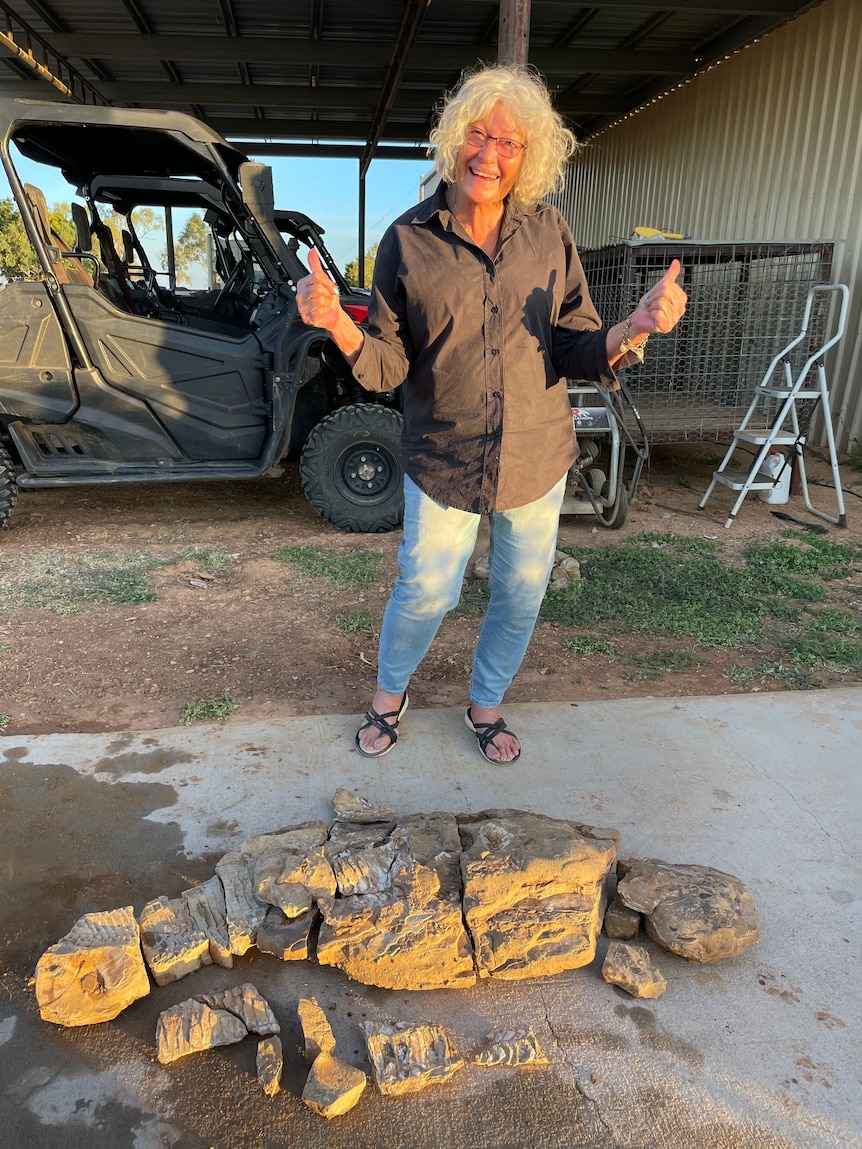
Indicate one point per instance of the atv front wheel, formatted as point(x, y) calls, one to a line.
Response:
point(8, 486)
point(351, 468)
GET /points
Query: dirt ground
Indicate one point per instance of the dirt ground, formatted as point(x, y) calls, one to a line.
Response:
point(267, 635)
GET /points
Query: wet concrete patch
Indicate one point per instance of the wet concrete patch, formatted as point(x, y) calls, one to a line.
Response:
point(134, 762)
point(656, 1039)
point(71, 845)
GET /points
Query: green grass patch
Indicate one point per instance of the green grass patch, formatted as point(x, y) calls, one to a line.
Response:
point(474, 600)
point(588, 644)
point(838, 655)
point(5, 719)
point(64, 581)
point(216, 709)
point(832, 620)
point(676, 661)
point(741, 676)
point(359, 568)
point(355, 622)
point(802, 557)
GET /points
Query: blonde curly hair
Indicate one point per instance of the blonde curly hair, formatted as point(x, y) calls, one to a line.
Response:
point(550, 145)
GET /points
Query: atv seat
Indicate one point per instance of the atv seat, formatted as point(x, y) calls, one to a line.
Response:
point(66, 265)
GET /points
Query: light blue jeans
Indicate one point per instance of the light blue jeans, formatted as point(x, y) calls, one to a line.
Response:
point(438, 541)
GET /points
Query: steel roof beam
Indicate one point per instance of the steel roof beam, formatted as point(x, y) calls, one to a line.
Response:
point(355, 54)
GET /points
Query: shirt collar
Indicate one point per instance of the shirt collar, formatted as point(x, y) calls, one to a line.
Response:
point(436, 205)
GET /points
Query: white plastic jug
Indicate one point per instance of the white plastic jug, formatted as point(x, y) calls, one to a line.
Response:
point(774, 465)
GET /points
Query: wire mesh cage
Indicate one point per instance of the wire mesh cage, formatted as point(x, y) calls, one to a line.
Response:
point(746, 302)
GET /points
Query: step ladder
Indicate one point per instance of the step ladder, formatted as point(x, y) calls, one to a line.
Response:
point(772, 419)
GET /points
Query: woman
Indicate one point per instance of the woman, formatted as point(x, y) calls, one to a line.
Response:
point(480, 308)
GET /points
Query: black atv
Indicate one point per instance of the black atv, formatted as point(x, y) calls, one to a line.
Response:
point(114, 371)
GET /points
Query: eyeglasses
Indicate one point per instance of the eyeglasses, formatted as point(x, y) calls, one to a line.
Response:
point(508, 149)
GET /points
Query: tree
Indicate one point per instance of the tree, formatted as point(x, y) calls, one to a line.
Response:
point(351, 272)
point(190, 249)
point(17, 257)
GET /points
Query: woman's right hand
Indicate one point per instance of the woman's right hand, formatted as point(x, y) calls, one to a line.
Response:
point(317, 297)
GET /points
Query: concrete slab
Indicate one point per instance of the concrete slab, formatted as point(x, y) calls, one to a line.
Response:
point(761, 1051)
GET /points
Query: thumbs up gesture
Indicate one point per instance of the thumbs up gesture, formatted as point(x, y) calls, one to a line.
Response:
point(317, 296)
point(663, 305)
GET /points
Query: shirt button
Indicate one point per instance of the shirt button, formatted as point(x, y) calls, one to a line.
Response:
point(497, 394)
point(494, 308)
point(495, 351)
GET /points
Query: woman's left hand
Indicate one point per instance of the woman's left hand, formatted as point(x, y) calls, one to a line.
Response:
point(663, 305)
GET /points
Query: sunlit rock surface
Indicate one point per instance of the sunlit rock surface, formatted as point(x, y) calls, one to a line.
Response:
point(244, 913)
point(349, 807)
point(316, 1030)
point(291, 870)
point(695, 911)
point(407, 1058)
point(208, 913)
point(213, 1019)
point(407, 932)
point(173, 947)
point(269, 1064)
point(94, 972)
point(631, 968)
point(534, 891)
point(510, 1047)
point(333, 1087)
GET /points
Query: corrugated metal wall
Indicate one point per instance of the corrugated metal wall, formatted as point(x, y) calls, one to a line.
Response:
point(765, 146)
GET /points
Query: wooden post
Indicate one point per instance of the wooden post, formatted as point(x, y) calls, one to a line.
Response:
point(513, 39)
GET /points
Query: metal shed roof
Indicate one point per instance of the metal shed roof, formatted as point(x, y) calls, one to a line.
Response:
point(327, 75)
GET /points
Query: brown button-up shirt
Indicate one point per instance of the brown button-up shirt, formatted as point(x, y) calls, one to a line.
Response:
point(483, 347)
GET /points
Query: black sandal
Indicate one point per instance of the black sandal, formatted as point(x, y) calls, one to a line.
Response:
point(485, 733)
point(381, 721)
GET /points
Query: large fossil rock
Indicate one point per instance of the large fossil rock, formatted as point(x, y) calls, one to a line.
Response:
point(211, 1020)
point(631, 968)
point(208, 913)
point(94, 972)
point(406, 931)
point(534, 891)
point(695, 911)
point(407, 1058)
point(172, 946)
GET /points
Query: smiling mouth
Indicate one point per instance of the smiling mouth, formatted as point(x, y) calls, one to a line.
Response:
point(483, 175)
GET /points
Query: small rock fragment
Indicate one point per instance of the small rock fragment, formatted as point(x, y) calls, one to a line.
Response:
point(333, 1087)
point(349, 807)
point(315, 1029)
point(631, 968)
point(695, 911)
point(192, 1027)
point(270, 1063)
point(94, 972)
point(244, 1002)
point(172, 946)
point(285, 937)
point(620, 921)
point(208, 913)
point(511, 1047)
point(405, 1058)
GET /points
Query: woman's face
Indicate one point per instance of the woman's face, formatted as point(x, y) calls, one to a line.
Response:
point(483, 176)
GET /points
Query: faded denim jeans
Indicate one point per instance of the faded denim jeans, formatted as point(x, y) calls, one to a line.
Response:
point(438, 541)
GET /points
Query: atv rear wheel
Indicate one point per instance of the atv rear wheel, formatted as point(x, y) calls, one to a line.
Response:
point(351, 468)
point(8, 486)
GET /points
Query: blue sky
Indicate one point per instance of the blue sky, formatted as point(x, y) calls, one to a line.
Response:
point(325, 189)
